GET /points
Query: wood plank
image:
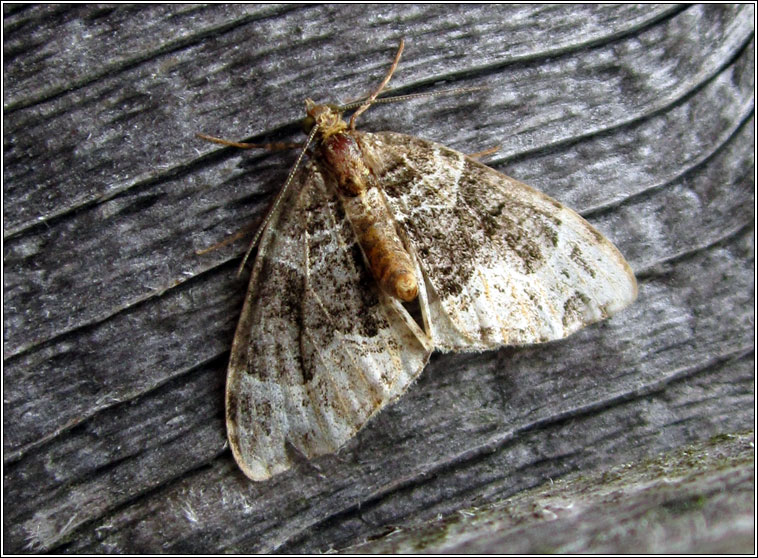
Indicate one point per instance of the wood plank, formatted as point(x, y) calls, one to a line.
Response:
point(117, 334)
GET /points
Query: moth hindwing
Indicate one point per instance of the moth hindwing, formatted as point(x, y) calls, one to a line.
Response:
point(371, 223)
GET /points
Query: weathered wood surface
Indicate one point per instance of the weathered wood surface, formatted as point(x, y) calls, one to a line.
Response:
point(116, 335)
point(699, 498)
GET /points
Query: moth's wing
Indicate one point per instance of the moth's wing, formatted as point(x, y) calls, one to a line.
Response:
point(503, 263)
point(318, 349)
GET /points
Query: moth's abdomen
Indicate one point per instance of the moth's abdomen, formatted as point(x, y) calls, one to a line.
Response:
point(389, 261)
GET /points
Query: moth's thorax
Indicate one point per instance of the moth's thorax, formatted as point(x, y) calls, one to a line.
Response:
point(342, 154)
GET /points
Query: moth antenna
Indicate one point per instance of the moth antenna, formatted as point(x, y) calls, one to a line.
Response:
point(399, 98)
point(385, 81)
point(277, 201)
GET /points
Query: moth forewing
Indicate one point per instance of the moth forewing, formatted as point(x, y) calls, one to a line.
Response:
point(504, 263)
point(319, 348)
point(371, 223)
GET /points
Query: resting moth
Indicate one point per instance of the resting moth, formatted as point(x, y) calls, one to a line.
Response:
point(372, 222)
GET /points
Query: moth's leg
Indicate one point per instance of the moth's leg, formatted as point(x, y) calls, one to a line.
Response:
point(244, 231)
point(480, 154)
point(276, 146)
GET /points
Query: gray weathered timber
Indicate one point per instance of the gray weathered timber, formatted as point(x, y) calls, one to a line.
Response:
point(116, 334)
point(696, 498)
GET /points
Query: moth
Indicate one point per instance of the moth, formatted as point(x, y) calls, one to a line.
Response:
point(379, 250)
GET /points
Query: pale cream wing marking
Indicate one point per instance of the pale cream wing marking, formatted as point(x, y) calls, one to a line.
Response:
point(318, 348)
point(503, 263)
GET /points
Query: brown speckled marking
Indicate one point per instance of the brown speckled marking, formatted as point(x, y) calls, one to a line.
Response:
point(574, 307)
point(576, 256)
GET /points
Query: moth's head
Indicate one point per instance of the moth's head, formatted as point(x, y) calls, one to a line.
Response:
point(327, 117)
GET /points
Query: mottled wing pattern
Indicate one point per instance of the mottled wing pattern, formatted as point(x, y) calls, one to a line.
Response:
point(318, 349)
point(502, 263)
